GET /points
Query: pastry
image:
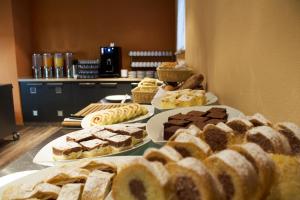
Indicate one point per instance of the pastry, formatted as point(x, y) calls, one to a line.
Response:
point(235, 173)
point(79, 136)
point(170, 131)
point(97, 185)
point(190, 146)
point(292, 132)
point(120, 142)
point(70, 191)
point(269, 140)
point(259, 120)
point(262, 163)
point(95, 147)
point(104, 134)
point(105, 166)
point(191, 180)
point(239, 125)
point(140, 179)
point(192, 82)
point(67, 175)
point(137, 134)
point(217, 136)
point(164, 155)
point(66, 150)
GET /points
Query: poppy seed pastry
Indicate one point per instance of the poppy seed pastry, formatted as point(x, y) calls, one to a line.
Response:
point(70, 191)
point(141, 180)
point(97, 185)
point(239, 125)
point(259, 120)
point(164, 155)
point(269, 140)
point(190, 146)
point(262, 163)
point(66, 150)
point(235, 173)
point(217, 136)
point(292, 132)
point(191, 180)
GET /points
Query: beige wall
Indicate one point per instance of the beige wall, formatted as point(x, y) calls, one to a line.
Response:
point(249, 52)
point(8, 66)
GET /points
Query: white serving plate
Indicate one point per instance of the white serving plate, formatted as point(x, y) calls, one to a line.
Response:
point(210, 98)
point(85, 123)
point(4, 180)
point(155, 127)
point(117, 98)
point(45, 156)
point(44, 173)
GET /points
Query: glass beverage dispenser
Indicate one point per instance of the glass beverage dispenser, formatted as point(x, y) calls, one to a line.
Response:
point(69, 63)
point(48, 64)
point(37, 63)
point(59, 65)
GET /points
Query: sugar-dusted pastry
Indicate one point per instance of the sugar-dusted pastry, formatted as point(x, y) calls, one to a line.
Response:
point(292, 132)
point(190, 179)
point(235, 173)
point(137, 134)
point(120, 142)
point(27, 191)
point(79, 136)
point(259, 120)
point(239, 125)
point(95, 147)
point(269, 140)
point(262, 163)
point(140, 179)
point(286, 185)
point(70, 191)
point(97, 185)
point(164, 155)
point(104, 134)
point(190, 146)
point(66, 175)
point(66, 150)
point(101, 165)
point(217, 136)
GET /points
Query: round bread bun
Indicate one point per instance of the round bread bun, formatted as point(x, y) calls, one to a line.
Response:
point(169, 88)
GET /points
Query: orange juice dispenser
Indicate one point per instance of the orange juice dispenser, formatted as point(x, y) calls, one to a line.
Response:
point(59, 65)
point(48, 64)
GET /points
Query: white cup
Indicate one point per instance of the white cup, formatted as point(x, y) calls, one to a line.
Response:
point(124, 73)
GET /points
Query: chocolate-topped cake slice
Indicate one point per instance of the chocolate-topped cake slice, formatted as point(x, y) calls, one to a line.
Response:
point(120, 142)
point(104, 135)
point(217, 115)
point(95, 147)
point(198, 119)
point(173, 122)
point(178, 116)
point(217, 110)
point(79, 136)
point(170, 131)
point(196, 113)
point(66, 150)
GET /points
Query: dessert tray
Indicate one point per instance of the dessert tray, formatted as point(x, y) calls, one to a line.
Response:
point(156, 102)
point(90, 141)
point(155, 125)
point(86, 121)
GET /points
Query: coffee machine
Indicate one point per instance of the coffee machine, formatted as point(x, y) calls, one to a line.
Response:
point(110, 61)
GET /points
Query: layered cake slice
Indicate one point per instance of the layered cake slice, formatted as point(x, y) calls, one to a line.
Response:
point(104, 134)
point(217, 136)
point(141, 180)
point(292, 132)
point(95, 147)
point(66, 150)
point(259, 120)
point(137, 134)
point(97, 185)
point(235, 173)
point(269, 140)
point(239, 125)
point(120, 142)
point(79, 136)
point(190, 146)
point(70, 191)
point(191, 180)
point(164, 155)
point(262, 163)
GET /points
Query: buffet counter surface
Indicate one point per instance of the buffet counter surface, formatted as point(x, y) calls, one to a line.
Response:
point(30, 79)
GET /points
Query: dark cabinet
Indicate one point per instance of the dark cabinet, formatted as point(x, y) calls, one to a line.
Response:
point(53, 101)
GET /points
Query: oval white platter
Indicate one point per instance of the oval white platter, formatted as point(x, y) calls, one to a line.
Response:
point(155, 126)
point(85, 123)
point(40, 175)
point(45, 156)
point(117, 98)
point(210, 98)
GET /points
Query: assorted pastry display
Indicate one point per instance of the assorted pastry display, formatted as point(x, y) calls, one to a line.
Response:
point(98, 141)
point(182, 98)
point(145, 91)
point(117, 115)
point(148, 85)
point(194, 119)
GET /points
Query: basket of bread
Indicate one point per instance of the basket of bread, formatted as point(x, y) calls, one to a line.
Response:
point(145, 91)
point(173, 72)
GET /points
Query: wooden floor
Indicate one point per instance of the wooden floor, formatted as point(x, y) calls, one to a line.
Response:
point(30, 136)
